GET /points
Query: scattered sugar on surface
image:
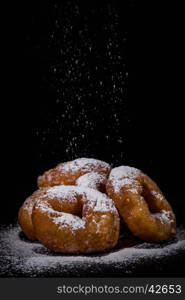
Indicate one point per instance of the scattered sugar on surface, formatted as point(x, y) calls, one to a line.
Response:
point(32, 259)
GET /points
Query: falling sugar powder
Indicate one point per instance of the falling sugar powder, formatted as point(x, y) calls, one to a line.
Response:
point(85, 79)
point(20, 257)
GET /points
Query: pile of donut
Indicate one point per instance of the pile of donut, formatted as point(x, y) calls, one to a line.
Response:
point(80, 204)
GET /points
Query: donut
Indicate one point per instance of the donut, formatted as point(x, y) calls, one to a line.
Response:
point(141, 204)
point(93, 180)
point(72, 219)
point(25, 215)
point(68, 172)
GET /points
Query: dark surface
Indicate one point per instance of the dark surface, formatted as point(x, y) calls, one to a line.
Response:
point(20, 257)
point(43, 105)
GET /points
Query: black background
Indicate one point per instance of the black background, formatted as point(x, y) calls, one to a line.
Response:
point(149, 110)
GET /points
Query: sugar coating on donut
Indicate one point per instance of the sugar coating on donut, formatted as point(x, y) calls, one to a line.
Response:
point(62, 192)
point(124, 176)
point(118, 184)
point(82, 164)
point(46, 208)
point(28, 205)
point(69, 220)
point(96, 207)
point(96, 200)
point(164, 216)
point(125, 171)
point(98, 203)
point(62, 219)
point(91, 180)
point(157, 195)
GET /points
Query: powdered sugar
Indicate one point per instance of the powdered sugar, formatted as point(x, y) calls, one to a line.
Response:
point(125, 171)
point(68, 220)
point(124, 176)
point(91, 180)
point(99, 201)
point(24, 258)
point(61, 191)
point(89, 164)
point(165, 216)
point(28, 205)
point(157, 195)
point(133, 190)
point(91, 198)
point(46, 208)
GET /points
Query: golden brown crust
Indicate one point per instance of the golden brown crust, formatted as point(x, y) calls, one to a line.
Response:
point(67, 173)
point(71, 213)
point(141, 204)
point(25, 215)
